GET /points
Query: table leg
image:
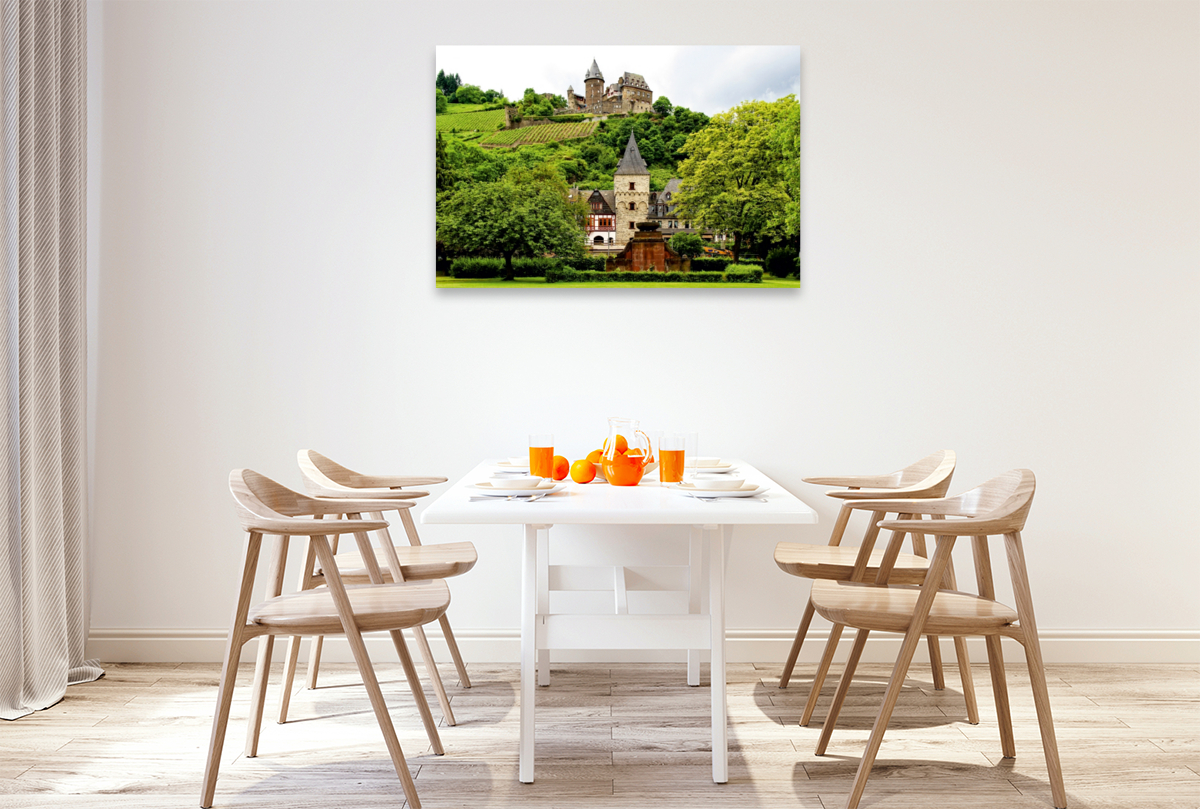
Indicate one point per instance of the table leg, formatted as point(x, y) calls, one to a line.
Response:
point(529, 562)
point(543, 600)
point(716, 608)
point(695, 565)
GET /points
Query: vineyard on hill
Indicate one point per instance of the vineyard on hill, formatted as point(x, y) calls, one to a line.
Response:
point(470, 121)
point(544, 133)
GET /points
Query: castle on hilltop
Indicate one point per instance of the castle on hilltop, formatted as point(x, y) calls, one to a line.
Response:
point(630, 93)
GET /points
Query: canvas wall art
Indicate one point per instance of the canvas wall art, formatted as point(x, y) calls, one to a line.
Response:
point(603, 166)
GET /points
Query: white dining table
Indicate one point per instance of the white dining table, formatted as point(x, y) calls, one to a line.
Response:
point(649, 503)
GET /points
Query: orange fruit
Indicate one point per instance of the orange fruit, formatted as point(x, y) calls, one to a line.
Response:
point(560, 466)
point(622, 445)
point(595, 455)
point(583, 471)
point(634, 451)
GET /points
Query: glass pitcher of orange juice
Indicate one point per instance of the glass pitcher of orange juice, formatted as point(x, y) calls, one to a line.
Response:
point(628, 453)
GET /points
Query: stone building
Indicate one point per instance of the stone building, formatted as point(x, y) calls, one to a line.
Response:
point(630, 93)
point(631, 190)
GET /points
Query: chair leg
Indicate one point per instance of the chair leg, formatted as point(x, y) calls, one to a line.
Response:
point(790, 663)
point(289, 676)
point(220, 722)
point(464, 679)
point(964, 659)
point(835, 634)
point(262, 666)
point(367, 672)
point(1008, 742)
point(414, 684)
point(258, 693)
point(314, 661)
point(434, 676)
point(895, 685)
point(860, 643)
point(935, 662)
point(968, 682)
point(912, 638)
point(1037, 669)
point(233, 651)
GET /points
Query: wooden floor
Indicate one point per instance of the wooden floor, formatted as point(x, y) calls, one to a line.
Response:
point(610, 736)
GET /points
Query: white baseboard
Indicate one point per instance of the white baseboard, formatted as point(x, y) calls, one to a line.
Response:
point(742, 646)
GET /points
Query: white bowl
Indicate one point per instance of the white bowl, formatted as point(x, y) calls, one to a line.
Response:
point(517, 482)
point(519, 461)
point(722, 483)
point(700, 463)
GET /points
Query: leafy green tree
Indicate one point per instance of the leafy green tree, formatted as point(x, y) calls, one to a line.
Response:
point(442, 102)
point(662, 105)
point(733, 179)
point(447, 84)
point(469, 94)
point(788, 134)
point(524, 214)
point(688, 245)
point(558, 102)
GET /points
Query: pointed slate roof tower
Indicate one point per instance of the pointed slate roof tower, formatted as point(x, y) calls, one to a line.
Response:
point(594, 72)
point(631, 161)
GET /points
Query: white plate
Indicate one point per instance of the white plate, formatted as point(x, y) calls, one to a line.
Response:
point(747, 490)
point(708, 465)
point(545, 487)
point(508, 466)
point(709, 470)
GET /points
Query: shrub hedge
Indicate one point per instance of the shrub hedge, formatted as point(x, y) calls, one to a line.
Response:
point(585, 263)
point(741, 275)
point(781, 262)
point(477, 267)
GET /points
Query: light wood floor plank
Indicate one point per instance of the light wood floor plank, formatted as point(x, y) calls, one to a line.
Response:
point(611, 737)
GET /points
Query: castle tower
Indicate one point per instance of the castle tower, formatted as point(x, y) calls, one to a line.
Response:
point(571, 98)
point(593, 82)
point(631, 186)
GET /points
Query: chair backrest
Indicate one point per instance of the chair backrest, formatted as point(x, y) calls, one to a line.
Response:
point(260, 500)
point(323, 476)
point(932, 470)
point(1003, 501)
point(928, 477)
point(999, 506)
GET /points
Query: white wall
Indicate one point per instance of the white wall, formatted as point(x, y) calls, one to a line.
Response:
point(1001, 255)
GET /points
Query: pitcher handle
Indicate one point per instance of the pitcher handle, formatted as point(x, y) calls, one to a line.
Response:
point(649, 446)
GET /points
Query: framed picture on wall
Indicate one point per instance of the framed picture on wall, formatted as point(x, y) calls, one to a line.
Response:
point(603, 166)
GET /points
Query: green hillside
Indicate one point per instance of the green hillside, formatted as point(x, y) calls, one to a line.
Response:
point(470, 121)
point(545, 133)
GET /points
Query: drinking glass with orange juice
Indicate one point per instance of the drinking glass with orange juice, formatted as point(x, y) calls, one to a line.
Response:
point(541, 455)
point(671, 450)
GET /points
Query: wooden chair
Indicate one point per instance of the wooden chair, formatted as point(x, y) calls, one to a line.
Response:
point(998, 507)
point(406, 563)
point(264, 507)
point(928, 477)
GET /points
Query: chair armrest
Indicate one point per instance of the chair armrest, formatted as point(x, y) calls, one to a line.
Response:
point(855, 481)
point(878, 494)
point(348, 505)
point(309, 528)
point(949, 528)
point(371, 494)
point(398, 481)
point(915, 505)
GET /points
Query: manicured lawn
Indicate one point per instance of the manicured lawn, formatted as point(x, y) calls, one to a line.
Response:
point(769, 282)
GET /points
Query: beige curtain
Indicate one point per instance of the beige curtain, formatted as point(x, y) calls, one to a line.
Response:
point(43, 571)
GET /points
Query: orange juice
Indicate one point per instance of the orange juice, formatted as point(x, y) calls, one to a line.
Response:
point(541, 461)
point(670, 465)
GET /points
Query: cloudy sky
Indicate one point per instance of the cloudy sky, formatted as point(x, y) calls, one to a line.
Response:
point(707, 79)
